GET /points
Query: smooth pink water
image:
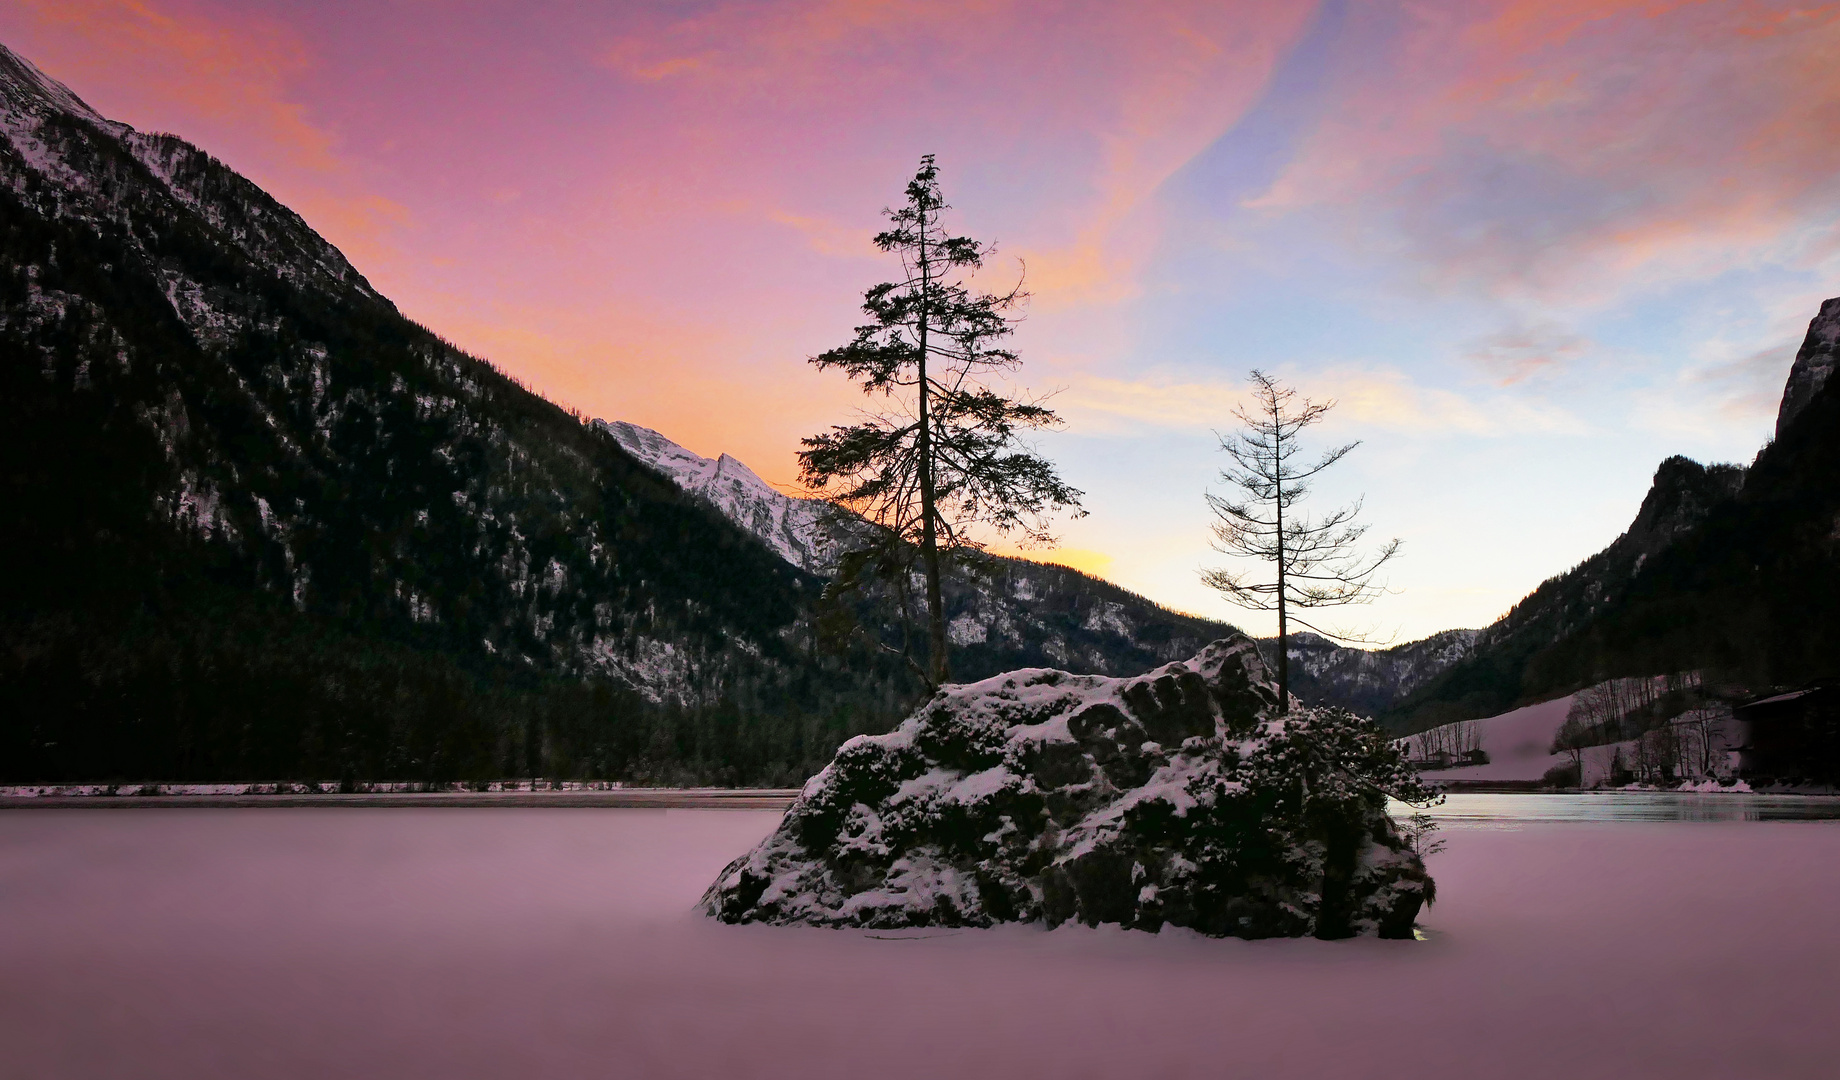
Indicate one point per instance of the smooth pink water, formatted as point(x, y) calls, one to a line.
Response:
point(514, 943)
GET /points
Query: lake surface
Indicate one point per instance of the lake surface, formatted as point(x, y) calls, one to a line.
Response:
point(1459, 810)
point(493, 942)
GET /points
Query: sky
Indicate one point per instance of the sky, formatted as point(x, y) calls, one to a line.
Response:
point(1530, 249)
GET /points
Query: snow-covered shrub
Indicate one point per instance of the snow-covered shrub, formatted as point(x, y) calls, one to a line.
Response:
point(1178, 797)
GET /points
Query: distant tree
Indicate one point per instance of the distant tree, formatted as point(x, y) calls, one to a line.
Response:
point(1574, 736)
point(1314, 562)
point(1704, 723)
point(943, 462)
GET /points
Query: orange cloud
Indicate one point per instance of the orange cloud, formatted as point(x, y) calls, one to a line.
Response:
point(1523, 352)
point(133, 50)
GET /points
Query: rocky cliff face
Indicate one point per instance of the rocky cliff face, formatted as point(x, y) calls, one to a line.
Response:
point(1728, 569)
point(1173, 798)
point(68, 163)
point(1813, 366)
point(1490, 672)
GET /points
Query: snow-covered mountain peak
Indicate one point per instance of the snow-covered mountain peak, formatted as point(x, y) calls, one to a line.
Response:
point(793, 528)
point(1030, 606)
point(735, 470)
point(691, 470)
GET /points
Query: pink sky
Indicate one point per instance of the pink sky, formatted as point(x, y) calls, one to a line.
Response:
point(1597, 224)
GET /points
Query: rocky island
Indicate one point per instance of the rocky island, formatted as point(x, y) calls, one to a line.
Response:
point(1181, 797)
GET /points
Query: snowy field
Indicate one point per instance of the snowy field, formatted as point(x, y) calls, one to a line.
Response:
point(1519, 744)
point(513, 943)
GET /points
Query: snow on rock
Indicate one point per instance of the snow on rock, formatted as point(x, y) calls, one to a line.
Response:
point(966, 629)
point(1178, 797)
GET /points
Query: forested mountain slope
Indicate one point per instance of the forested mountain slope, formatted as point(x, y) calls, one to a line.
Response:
point(261, 525)
point(1734, 571)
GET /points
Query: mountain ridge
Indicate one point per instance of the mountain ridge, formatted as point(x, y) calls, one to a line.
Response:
point(1367, 681)
point(1705, 530)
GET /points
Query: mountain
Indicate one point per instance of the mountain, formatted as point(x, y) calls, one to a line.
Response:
point(261, 525)
point(1370, 681)
point(1015, 613)
point(1728, 570)
point(1814, 365)
point(1028, 614)
point(792, 528)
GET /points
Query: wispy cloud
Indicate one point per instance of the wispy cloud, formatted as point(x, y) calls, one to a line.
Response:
point(1580, 149)
point(1081, 112)
point(1367, 398)
point(827, 236)
point(1523, 352)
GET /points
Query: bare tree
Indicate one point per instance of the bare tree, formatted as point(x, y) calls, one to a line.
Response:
point(943, 460)
point(1572, 739)
point(1314, 562)
point(1656, 756)
point(1707, 726)
point(1466, 737)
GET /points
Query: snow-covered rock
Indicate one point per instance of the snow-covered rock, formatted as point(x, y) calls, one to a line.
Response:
point(1178, 797)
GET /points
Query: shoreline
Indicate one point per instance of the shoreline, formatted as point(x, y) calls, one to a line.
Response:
point(574, 796)
point(612, 797)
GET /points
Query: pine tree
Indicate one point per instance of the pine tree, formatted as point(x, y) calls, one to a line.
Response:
point(942, 464)
point(1314, 563)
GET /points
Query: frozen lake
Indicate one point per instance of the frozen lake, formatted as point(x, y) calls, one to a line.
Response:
point(518, 942)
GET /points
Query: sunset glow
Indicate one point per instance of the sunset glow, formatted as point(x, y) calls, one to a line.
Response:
point(1532, 248)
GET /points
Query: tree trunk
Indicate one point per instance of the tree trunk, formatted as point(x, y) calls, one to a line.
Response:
point(1284, 643)
point(929, 535)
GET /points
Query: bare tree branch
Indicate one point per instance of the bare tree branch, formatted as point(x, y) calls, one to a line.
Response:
point(1314, 562)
